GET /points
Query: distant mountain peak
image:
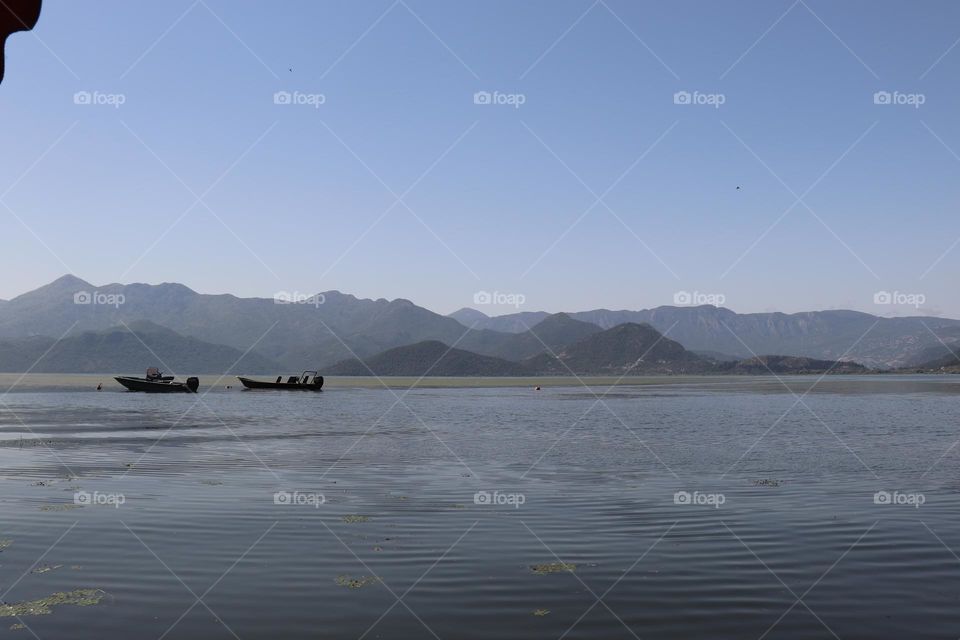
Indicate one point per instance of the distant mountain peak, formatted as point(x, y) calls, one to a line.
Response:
point(64, 285)
point(468, 315)
point(429, 357)
point(67, 281)
point(628, 348)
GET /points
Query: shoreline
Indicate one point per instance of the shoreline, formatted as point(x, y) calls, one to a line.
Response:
point(12, 382)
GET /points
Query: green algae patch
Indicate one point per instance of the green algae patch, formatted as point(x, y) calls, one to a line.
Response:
point(540, 612)
point(17, 626)
point(6, 542)
point(64, 506)
point(44, 606)
point(767, 482)
point(355, 519)
point(356, 583)
point(46, 568)
point(552, 567)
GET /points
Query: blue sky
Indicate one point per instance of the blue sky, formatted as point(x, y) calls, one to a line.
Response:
point(388, 180)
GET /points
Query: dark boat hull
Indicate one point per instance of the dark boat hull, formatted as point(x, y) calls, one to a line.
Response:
point(290, 386)
point(152, 386)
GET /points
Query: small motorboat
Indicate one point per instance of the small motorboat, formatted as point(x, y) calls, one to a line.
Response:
point(156, 382)
point(306, 381)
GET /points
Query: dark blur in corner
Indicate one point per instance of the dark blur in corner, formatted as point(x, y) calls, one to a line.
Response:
point(16, 15)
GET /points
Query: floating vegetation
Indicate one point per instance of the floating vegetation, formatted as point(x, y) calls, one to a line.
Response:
point(356, 583)
point(46, 568)
point(354, 519)
point(44, 606)
point(17, 626)
point(766, 482)
point(41, 483)
point(212, 483)
point(64, 506)
point(540, 612)
point(5, 543)
point(459, 506)
point(29, 442)
point(552, 567)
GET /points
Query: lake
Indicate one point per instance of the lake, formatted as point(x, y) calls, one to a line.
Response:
point(688, 508)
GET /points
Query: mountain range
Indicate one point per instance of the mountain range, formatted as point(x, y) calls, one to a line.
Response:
point(126, 349)
point(209, 333)
point(624, 350)
point(829, 335)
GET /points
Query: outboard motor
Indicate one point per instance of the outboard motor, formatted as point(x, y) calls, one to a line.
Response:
point(193, 384)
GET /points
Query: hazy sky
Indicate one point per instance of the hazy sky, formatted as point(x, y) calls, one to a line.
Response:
point(581, 184)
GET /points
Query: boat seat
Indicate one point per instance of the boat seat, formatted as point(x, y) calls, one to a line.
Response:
point(279, 379)
point(293, 380)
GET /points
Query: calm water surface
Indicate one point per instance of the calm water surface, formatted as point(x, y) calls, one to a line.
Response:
point(730, 508)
